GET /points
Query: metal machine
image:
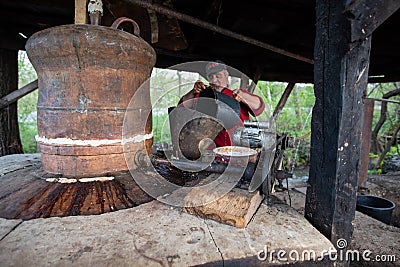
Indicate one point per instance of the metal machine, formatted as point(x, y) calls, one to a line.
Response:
point(270, 159)
point(214, 112)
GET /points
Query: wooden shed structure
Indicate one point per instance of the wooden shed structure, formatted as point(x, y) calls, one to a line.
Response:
point(339, 46)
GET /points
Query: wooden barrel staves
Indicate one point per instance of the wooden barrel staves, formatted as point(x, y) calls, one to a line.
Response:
point(87, 76)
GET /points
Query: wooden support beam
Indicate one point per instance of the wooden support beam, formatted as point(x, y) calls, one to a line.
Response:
point(256, 77)
point(209, 26)
point(367, 15)
point(340, 75)
point(17, 94)
point(283, 100)
point(81, 14)
point(366, 141)
point(10, 141)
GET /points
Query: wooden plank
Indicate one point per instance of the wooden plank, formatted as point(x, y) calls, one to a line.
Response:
point(367, 15)
point(235, 208)
point(17, 94)
point(81, 15)
point(340, 75)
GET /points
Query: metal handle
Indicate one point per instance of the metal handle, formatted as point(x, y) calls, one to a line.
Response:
point(119, 21)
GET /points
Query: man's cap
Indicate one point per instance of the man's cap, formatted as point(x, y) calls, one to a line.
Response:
point(214, 67)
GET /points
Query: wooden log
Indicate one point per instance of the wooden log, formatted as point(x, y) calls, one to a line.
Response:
point(17, 94)
point(235, 208)
point(340, 74)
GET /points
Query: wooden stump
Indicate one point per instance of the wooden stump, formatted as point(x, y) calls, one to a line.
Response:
point(25, 193)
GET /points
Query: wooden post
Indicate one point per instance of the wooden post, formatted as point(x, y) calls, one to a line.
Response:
point(81, 14)
point(340, 80)
point(10, 141)
point(283, 100)
point(366, 142)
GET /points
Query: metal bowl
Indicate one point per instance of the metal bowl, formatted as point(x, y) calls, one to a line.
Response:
point(235, 151)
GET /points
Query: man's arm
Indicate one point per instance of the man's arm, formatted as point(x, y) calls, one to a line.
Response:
point(188, 100)
point(254, 102)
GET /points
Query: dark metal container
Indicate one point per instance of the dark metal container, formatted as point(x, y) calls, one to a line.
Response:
point(87, 76)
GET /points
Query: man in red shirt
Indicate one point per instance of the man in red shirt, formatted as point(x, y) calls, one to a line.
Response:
point(217, 75)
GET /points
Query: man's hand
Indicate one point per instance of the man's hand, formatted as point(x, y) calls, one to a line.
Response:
point(199, 86)
point(250, 100)
point(238, 95)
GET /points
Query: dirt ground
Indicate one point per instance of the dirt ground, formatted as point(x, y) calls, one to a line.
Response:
point(387, 186)
point(369, 234)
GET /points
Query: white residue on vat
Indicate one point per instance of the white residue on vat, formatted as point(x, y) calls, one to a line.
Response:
point(99, 142)
point(71, 142)
point(61, 180)
point(138, 138)
point(81, 180)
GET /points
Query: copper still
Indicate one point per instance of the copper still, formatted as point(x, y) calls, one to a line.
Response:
point(87, 76)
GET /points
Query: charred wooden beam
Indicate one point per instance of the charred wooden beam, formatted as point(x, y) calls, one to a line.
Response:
point(200, 23)
point(10, 141)
point(212, 13)
point(17, 94)
point(340, 75)
point(367, 15)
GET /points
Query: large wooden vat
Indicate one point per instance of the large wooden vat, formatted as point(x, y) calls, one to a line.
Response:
point(87, 76)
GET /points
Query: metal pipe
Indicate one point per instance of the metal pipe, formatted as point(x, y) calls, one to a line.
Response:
point(204, 166)
point(200, 23)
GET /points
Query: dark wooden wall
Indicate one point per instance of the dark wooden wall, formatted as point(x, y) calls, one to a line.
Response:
point(10, 142)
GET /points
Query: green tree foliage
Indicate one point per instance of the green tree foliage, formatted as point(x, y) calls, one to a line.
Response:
point(27, 105)
point(294, 119)
point(393, 109)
